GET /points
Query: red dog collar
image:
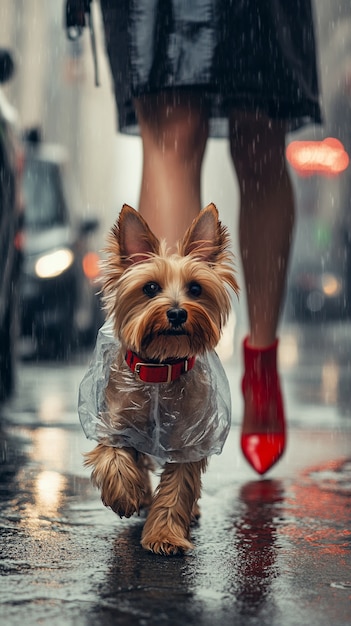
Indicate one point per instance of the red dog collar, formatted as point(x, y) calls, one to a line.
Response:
point(158, 372)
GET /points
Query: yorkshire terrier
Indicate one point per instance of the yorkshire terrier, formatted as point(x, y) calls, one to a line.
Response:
point(166, 310)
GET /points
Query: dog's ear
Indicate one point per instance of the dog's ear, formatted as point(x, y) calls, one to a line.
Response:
point(135, 240)
point(206, 238)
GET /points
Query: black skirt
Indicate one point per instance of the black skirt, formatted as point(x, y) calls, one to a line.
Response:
point(256, 55)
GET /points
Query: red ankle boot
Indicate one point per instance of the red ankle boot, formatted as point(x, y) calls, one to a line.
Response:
point(263, 430)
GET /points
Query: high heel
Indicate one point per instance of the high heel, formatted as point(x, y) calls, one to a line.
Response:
point(263, 436)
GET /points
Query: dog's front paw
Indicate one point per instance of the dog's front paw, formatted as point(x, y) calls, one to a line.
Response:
point(123, 502)
point(122, 506)
point(195, 515)
point(124, 486)
point(165, 543)
point(124, 497)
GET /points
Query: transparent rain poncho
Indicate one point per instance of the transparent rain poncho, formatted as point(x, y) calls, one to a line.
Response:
point(182, 421)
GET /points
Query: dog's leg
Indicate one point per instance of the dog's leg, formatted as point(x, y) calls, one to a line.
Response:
point(145, 466)
point(195, 514)
point(122, 478)
point(167, 527)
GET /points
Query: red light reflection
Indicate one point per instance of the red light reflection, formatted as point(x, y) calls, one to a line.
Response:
point(91, 265)
point(327, 157)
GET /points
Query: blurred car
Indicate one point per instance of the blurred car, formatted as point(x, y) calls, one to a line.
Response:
point(319, 284)
point(320, 274)
point(59, 305)
point(10, 225)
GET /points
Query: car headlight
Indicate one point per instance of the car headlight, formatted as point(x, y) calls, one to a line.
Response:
point(331, 285)
point(54, 263)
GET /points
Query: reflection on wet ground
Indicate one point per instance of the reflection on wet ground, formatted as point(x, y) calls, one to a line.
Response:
point(273, 551)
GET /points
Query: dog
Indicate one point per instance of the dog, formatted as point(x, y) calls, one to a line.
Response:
point(167, 311)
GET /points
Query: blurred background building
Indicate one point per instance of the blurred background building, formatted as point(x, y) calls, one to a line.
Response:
point(53, 89)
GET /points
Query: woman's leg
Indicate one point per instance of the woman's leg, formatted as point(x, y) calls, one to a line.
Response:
point(266, 230)
point(174, 131)
point(266, 218)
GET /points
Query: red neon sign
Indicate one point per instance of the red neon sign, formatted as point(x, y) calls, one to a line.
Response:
point(327, 157)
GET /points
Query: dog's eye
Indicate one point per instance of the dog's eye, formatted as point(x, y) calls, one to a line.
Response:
point(151, 289)
point(195, 290)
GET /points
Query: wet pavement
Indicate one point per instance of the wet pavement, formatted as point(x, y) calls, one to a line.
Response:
point(268, 552)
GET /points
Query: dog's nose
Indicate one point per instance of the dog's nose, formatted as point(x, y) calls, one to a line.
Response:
point(176, 316)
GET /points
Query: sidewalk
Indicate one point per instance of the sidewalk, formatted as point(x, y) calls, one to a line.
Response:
point(272, 552)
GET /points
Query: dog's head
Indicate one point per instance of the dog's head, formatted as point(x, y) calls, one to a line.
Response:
point(168, 306)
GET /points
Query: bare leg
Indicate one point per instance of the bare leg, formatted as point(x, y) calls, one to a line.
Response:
point(174, 130)
point(266, 229)
point(266, 218)
point(174, 507)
